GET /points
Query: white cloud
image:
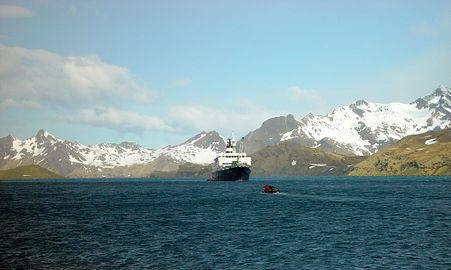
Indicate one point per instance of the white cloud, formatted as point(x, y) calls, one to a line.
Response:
point(247, 116)
point(31, 79)
point(198, 117)
point(41, 76)
point(182, 82)
point(10, 103)
point(120, 120)
point(9, 11)
point(304, 95)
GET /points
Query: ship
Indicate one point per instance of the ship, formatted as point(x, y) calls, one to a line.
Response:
point(231, 165)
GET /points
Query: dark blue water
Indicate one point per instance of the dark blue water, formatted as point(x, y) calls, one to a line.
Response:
point(315, 223)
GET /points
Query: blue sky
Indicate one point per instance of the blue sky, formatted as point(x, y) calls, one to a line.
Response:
point(159, 72)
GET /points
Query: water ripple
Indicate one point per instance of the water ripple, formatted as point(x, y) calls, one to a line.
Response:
point(315, 223)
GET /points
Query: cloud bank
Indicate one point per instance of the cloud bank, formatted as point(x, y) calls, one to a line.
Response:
point(12, 104)
point(41, 76)
point(119, 120)
point(10, 11)
point(200, 117)
point(92, 91)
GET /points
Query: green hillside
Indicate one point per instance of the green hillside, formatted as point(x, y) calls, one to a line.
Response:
point(27, 172)
point(423, 154)
point(292, 159)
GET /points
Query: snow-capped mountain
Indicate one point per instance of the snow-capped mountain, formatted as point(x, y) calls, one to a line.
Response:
point(65, 157)
point(361, 128)
point(200, 149)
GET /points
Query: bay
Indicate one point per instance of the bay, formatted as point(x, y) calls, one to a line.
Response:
point(314, 223)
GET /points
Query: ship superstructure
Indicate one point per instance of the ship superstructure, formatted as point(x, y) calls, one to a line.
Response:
point(231, 165)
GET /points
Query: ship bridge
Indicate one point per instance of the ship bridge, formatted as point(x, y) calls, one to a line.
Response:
point(231, 158)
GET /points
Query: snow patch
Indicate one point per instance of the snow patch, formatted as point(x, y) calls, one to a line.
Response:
point(313, 165)
point(359, 128)
point(73, 160)
point(361, 131)
point(287, 136)
point(431, 141)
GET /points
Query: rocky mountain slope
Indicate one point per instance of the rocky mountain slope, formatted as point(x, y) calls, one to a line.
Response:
point(361, 128)
point(73, 159)
point(290, 158)
point(423, 154)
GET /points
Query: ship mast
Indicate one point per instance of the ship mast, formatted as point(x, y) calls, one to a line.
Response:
point(242, 145)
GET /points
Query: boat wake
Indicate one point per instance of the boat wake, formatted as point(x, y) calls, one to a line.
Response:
point(284, 194)
point(334, 198)
point(319, 198)
point(288, 194)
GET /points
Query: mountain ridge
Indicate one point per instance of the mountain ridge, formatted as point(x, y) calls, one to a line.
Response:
point(73, 159)
point(361, 128)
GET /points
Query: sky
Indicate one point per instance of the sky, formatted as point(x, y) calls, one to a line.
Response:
point(159, 72)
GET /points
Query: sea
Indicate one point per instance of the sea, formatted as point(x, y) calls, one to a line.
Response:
point(313, 223)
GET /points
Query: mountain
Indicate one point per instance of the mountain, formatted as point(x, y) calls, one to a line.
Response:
point(28, 172)
point(290, 158)
point(361, 128)
point(72, 159)
point(423, 154)
point(200, 149)
point(64, 157)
